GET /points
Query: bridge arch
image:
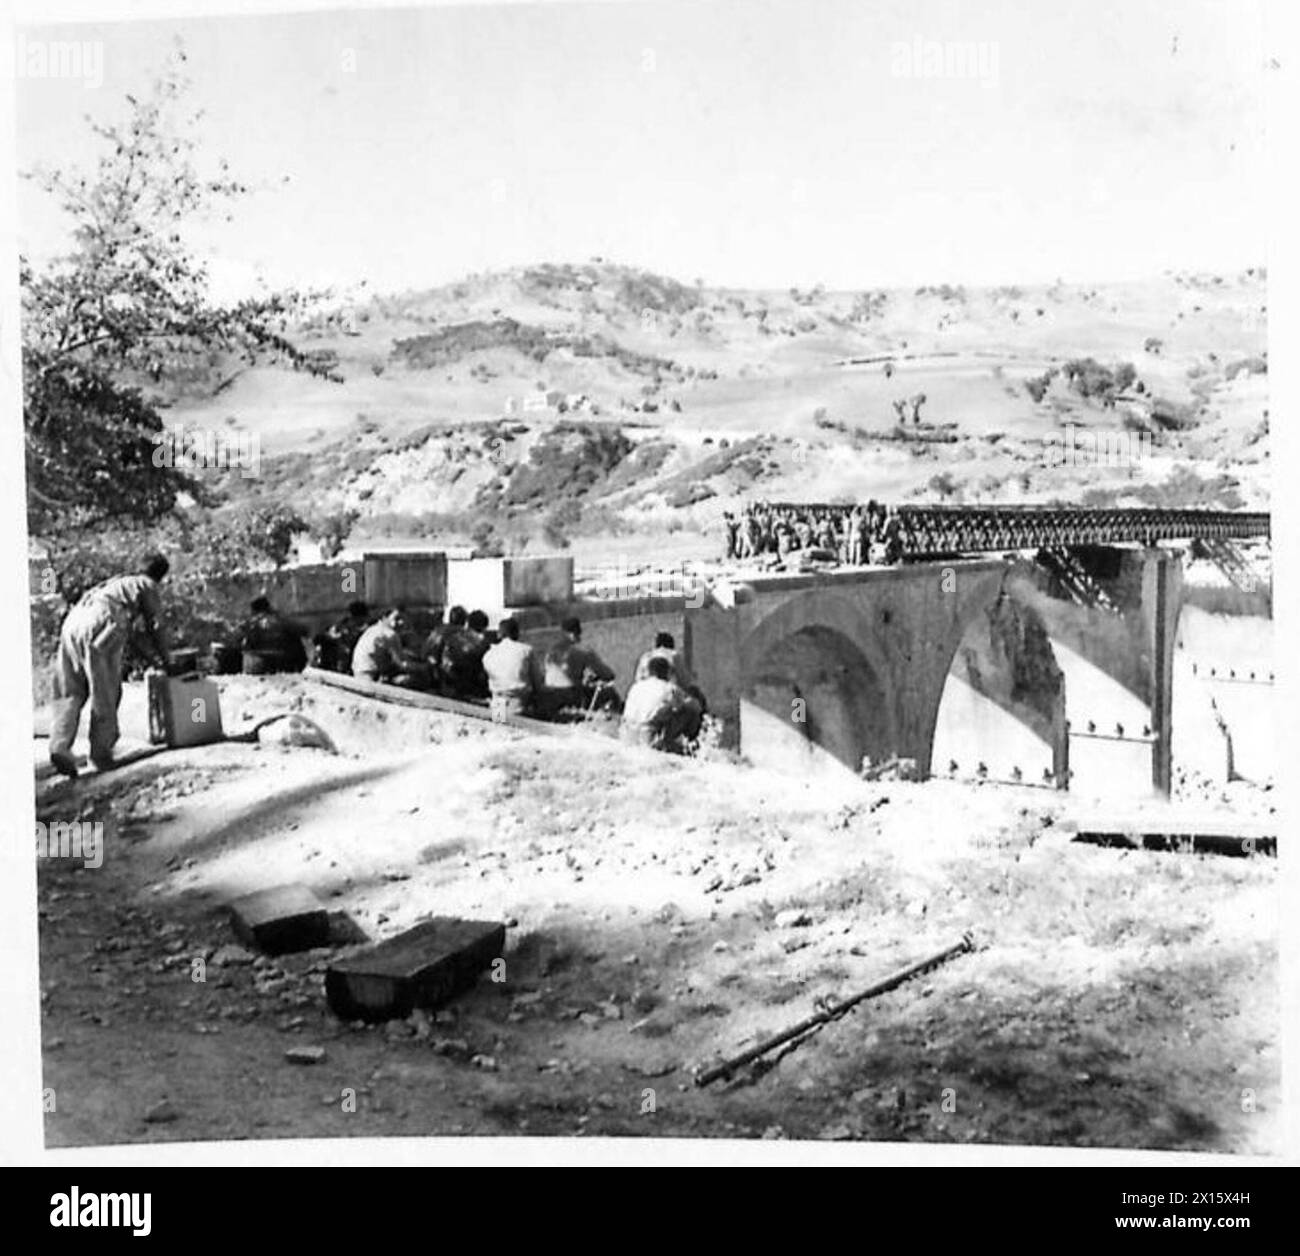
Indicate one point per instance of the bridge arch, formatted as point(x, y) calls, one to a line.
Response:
point(815, 690)
point(1002, 704)
point(869, 659)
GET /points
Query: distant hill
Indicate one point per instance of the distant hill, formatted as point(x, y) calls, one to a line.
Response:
point(455, 399)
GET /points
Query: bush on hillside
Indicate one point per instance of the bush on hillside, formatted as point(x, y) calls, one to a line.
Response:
point(1091, 380)
point(566, 462)
point(1249, 366)
point(1038, 385)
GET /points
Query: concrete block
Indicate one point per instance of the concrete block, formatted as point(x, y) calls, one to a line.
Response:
point(426, 966)
point(494, 584)
point(537, 580)
point(281, 919)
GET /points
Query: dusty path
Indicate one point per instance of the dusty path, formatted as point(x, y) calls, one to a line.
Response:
point(1119, 998)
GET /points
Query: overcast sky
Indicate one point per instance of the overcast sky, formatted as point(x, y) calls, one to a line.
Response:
point(765, 143)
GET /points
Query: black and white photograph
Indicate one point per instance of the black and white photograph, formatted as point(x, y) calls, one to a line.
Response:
point(680, 576)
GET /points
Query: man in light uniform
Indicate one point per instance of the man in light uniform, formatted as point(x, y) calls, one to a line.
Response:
point(514, 673)
point(659, 713)
point(381, 654)
point(665, 647)
point(92, 643)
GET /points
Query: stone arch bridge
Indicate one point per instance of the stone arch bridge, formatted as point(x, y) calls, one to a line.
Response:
point(852, 664)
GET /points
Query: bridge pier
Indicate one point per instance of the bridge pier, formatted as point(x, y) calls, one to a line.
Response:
point(1162, 579)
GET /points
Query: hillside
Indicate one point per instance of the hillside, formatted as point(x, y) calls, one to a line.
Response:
point(586, 402)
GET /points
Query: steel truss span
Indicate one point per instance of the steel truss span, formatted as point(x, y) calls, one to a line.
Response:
point(933, 531)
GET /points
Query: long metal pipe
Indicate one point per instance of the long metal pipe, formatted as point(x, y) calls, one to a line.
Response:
point(729, 1066)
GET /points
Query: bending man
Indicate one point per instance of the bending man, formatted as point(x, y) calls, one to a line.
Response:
point(92, 643)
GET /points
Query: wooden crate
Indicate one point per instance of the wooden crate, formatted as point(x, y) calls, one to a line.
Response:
point(426, 966)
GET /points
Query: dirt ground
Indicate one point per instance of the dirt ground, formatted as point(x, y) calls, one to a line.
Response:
point(1114, 999)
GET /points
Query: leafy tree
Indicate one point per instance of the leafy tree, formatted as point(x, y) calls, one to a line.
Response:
point(90, 447)
point(332, 530)
point(109, 324)
point(252, 535)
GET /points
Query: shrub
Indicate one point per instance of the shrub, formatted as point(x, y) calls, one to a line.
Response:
point(1250, 366)
point(682, 495)
point(1090, 379)
point(1171, 415)
point(1037, 386)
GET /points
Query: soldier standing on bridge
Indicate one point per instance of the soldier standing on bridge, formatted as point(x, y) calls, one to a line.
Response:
point(892, 537)
point(750, 537)
point(784, 536)
point(826, 536)
point(856, 538)
point(731, 529)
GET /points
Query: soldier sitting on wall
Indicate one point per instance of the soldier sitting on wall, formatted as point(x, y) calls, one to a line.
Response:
point(461, 656)
point(435, 645)
point(665, 647)
point(659, 713)
point(334, 646)
point(270, 642)
point(514, 673)
point(575, 678)
point(381, 655)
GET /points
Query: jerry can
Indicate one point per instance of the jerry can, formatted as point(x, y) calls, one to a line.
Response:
point(184, 711)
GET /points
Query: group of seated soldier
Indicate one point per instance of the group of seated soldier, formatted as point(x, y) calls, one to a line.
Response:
point(463, 658)
point(449, 661)
point(565, 681)
point(664, 708)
